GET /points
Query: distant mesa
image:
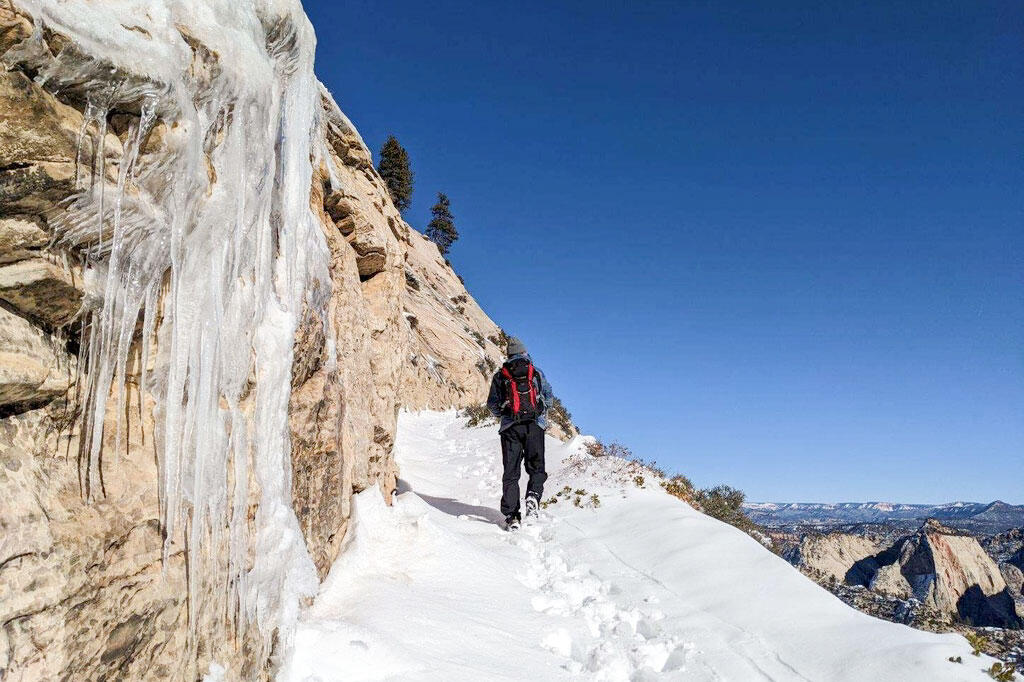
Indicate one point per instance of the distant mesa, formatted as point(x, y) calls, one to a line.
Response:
point(945, 570)
point(992, 517)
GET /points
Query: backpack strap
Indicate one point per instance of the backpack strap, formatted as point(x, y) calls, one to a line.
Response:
point(514, 391)
point(533, 389)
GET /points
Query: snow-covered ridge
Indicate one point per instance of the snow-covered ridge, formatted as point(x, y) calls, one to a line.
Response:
point(881, 506)
point(636, 587)
point(991, 516)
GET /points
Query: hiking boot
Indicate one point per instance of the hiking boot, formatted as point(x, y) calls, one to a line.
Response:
point(531, 507)
point(512, 522)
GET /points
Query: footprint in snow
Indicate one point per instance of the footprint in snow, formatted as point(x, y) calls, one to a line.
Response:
point(625, 642)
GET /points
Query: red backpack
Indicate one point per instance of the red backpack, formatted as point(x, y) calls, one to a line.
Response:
point(521, 389)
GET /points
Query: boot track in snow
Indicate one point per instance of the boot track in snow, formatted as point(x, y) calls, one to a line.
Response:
point(640, 588)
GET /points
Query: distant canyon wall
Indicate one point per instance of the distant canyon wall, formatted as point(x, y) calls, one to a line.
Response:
point(946, 572)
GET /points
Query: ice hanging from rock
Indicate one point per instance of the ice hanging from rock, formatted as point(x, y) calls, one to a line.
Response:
point(207, 247)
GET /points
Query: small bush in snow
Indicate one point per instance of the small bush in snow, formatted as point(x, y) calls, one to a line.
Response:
point(1003, 673)
point(639, 480)
point(725, 504)
point(951, 658)
point(613, 449)
point(583, 502)
point(579, 498)
point(681, 487)
point(977, 642)
point(477, 415)
point(599, 449)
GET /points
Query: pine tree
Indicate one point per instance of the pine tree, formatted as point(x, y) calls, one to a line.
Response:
point(441, 230)
point(394, 168)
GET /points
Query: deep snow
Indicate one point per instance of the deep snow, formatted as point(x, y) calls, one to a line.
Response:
point(641, 587)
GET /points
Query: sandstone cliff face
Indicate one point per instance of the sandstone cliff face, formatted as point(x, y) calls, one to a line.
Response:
point(953, 574)
point(830, 557)
point(89, 590)
point(948, 572)
point(454, 345)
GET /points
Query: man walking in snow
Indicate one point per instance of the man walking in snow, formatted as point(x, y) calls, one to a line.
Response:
point(520, 397)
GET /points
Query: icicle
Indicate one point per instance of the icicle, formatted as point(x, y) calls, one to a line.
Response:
point(213, 243)
point(82, 131)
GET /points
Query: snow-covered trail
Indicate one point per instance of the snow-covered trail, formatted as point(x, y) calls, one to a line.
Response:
point(641, 587)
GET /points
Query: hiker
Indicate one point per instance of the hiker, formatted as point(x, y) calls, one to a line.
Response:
point(520, 397)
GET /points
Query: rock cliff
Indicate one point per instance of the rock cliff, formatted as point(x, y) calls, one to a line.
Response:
point(946, 571)
point(830, 557)
point(950, 572)
point(210, 315)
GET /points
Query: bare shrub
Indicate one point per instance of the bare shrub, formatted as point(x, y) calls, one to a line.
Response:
point(561, 415)
point(477, 415)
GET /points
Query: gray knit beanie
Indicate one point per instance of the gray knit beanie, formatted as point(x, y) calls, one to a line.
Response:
point(516, 347)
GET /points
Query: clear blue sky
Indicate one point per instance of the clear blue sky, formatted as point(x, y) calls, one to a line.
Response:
point(792, 232)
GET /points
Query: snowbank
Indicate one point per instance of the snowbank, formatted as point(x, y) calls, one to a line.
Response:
point(640, 587)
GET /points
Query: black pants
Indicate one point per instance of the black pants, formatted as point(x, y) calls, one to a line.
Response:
point(521, 443)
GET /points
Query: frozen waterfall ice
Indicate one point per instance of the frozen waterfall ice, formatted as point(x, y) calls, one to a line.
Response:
point(200, 257)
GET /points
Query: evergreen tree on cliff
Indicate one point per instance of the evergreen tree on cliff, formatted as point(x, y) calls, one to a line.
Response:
point(441, 229)
point(394, 168)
